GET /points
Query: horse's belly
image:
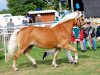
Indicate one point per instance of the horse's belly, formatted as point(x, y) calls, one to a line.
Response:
point(45, 44)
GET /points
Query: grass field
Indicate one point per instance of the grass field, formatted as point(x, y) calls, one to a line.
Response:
point(89, 64)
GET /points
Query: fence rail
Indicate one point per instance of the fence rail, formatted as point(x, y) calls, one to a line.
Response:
point(5, 33)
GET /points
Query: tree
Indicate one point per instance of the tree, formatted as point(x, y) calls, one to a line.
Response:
point(54, 4)
point(21, 7)
point(4, 11)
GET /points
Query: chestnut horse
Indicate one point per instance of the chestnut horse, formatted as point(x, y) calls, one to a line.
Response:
point(57, 36)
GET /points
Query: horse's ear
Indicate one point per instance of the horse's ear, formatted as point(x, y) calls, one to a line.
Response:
point(78, 12)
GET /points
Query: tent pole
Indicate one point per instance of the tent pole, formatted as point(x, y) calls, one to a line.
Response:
point(72, 6)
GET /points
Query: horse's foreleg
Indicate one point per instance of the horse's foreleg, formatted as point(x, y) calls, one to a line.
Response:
point(16, 56)
point(55, 57)
point(69, 47)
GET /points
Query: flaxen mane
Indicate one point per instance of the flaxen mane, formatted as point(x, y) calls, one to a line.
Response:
point(68, 17)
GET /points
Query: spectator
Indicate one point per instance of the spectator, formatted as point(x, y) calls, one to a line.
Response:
point(89, 36)
point(98, 33)
point(73, 38)
point(92, 35)
point(51, 52)
point(76, 34)
point(30, 20)
point(25, 22)
point(86, 33)
point(38, 18)
point(79, 37)
point(10, 26)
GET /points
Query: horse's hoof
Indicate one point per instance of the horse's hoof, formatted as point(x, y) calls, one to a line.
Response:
point(71, 62)
point(35, 65)
point(15, 69)
point(55, 66)
point(76, 64)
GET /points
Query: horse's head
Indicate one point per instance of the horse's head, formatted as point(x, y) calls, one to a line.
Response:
point(79, 20)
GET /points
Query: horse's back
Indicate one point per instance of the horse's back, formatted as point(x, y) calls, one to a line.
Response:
point(40, 36)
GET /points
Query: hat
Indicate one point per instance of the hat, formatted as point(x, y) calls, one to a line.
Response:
point(38, 15)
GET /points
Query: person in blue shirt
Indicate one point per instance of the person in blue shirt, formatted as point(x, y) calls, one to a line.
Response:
point(78, 37)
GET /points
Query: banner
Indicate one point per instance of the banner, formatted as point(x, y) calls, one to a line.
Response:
point(77, 4)
point(91, 8)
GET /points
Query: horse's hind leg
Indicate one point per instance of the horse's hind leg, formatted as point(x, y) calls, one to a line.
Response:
point(69, 47)
point(26, 53)
point(16, 56)
point(55, 57)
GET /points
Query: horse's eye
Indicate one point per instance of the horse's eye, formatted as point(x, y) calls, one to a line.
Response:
point(82, 19)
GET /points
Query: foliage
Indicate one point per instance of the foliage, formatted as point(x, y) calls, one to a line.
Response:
point(54, 4)
point(4, 12)
point(21, 7)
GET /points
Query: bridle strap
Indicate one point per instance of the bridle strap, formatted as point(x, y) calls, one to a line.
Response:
point(79, 22)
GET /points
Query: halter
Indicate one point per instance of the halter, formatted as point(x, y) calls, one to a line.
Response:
point(80, 27)
point(78, 19)
point(79, 22)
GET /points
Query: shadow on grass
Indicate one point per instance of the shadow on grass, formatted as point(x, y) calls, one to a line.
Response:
point(47, 61)
point(98, 46)
point(2, 57)
point(84, 56)
point(42, 62)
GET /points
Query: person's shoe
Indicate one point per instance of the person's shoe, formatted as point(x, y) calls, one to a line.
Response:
point(85, 50)
point(82, 50)
point(45, 54)
point(94, 49)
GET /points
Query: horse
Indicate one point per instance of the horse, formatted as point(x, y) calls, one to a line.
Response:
point(57, 36)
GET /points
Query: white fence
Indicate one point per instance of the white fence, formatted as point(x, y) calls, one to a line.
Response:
point(5, 33)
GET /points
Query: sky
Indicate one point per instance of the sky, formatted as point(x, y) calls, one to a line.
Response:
point(3, 4)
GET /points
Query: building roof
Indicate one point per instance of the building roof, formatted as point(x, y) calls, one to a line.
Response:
point(5, 15)
point(43, 11)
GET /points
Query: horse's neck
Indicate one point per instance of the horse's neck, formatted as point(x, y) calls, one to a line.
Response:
point(68, 25)
point(65, 27)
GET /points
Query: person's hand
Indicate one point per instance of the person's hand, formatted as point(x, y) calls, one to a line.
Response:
point(77, 39)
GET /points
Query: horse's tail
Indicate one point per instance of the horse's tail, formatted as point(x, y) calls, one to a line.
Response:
point(12, 44)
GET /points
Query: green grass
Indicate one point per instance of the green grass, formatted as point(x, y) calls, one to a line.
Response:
point(89, 64)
